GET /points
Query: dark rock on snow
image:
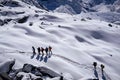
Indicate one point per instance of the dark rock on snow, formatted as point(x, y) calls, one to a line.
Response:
point(38, 79)
point(10, 3)
point(47, 72)
point(28, 69)
point(19, 77)
point(1, 22)
point(23, 75)
point(14, 72)
point(4, 76)
point(39, 71)
point(23, 20)
point(6, 66)
point(5, 21)
point(1, 78)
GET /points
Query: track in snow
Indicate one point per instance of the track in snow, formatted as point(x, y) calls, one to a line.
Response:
point(98, 73)
point(88, 67)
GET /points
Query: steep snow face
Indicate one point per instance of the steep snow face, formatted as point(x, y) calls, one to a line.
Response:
point(77, 42)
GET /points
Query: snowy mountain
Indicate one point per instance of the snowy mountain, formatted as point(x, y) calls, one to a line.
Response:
point(104, 8)
point(75, 6)
point(78, 6)
point(77, 41)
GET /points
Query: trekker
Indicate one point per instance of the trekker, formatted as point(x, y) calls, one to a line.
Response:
point(46, 50)
point(33, 49)
point(42, 50)
point(95, 64)
point(61, 76)
point(38, 50)
point(50, 49)
point(102, 67)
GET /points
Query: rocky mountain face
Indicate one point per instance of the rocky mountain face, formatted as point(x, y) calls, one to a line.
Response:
point(66, 6)
point(74, 6)
point(78, 6)
point(32, 2)
point(28, 72)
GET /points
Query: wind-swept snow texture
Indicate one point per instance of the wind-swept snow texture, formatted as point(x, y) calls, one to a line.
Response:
point(76, 42)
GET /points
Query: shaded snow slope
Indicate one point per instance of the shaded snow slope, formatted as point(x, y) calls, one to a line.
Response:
point(76, 43)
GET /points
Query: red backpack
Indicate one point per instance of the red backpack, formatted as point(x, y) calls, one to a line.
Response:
point(42, 49)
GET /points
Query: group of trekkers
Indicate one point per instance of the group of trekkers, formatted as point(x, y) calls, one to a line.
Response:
point(42, 51)
point(102, 71)
point(95, 65)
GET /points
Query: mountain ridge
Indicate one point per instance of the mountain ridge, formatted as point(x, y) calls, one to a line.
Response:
point(75, 6)
point(78, 6)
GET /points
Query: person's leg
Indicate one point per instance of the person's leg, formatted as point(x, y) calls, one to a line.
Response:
point(42, 53)
point(39, 52)
point(51, 52)
point(46, 53)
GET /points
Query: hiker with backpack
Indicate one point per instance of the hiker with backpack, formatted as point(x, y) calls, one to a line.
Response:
point(61, 76)
point(33, 49)
point(102, 67)
point(42, 50)
point(50, 50)
point(38, 50)
point(46, 50)
point(94, 64)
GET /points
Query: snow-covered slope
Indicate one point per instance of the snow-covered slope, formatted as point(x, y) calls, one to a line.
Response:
point(77, 42)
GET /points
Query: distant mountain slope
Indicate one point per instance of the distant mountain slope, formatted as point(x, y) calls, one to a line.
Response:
point(16, 3)
point(74, 6)
point(78, 6)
